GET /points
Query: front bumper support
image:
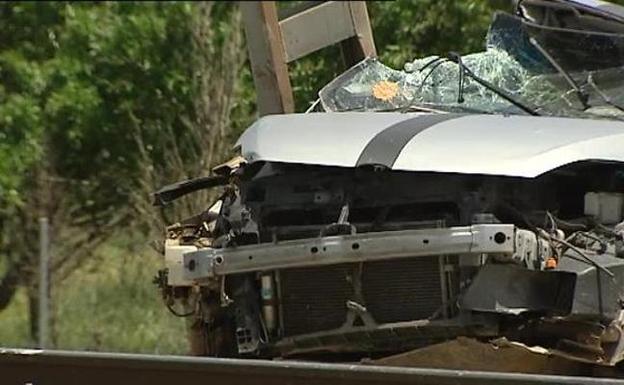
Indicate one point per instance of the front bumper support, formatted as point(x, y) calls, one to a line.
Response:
point(498, 239)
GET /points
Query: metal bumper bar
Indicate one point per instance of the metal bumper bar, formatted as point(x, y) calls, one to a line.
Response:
point(79, 368)
point(475, 239)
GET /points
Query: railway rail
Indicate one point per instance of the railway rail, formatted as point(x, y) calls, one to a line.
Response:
point(52, 367)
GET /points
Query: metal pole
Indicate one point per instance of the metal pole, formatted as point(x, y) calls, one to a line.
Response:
point(44, 271)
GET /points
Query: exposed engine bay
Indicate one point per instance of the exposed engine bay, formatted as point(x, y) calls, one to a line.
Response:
point(298, 259)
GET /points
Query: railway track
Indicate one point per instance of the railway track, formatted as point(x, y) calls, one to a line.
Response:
point(52, 367)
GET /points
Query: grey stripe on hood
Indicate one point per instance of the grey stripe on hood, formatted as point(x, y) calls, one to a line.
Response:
point(386, 146)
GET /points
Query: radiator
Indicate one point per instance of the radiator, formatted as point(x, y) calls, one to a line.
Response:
point(314, 299)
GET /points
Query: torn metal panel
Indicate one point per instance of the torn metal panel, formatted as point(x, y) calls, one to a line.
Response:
point(174, 191)
point(508, 289)
point(595, 291)
point(229, 167)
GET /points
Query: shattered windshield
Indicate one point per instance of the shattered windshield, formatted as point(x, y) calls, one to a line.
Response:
point(559, 73)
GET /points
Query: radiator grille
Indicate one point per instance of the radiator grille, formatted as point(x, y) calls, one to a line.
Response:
point(314, 299)
point(403, 290)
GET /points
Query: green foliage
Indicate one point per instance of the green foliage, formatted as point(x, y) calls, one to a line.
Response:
point(109, 304)
point(14, 321)
point(90, 76)
point(135, 76)
point(94, 96)
point(20, 119)
point(407, 29)
point(79, 83)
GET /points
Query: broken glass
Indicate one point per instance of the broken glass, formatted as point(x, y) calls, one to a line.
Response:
point(368, 86)
point(511, 63)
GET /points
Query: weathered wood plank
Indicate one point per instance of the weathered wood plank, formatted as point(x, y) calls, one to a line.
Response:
point(266, 53)
point(316, 28)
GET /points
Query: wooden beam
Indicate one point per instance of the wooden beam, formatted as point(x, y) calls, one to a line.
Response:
point(362, 43)
point(316, 28)
point(287, 10)
point(266, 54)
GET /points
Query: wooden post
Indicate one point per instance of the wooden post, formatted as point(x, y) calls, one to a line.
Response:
point(266, 53)
point(361, 45)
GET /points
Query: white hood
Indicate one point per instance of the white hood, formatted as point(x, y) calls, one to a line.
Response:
point(522, 146)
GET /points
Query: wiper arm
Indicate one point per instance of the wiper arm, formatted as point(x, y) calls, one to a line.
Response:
point(460, 86)
point(435, 63)
point(605, 97)
point(456, 58)
point(431, 62)
point(582, 96)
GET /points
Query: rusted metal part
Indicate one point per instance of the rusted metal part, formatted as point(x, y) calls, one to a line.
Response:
point(70, 367)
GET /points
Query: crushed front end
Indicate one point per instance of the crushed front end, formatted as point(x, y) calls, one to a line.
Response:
point(317, 260)
point(425, 205)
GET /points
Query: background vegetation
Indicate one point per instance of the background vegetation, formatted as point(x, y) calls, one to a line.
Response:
point(101, 103)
